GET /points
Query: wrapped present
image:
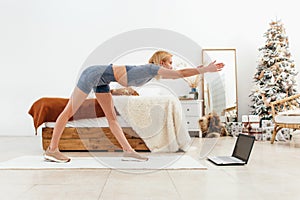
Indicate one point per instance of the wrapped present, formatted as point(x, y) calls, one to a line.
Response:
point(267, 127)
point(234, 128)
point(267, 133)
point(267, 123)
point(284, 134)
point(251, 126)
point(252, 120)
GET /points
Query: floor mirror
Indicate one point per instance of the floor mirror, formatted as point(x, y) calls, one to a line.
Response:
point(220, 89)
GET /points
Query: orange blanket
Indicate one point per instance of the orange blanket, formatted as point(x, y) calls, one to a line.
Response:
point(48, 109)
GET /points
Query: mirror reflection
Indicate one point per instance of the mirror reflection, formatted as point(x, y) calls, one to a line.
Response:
point(220, 89)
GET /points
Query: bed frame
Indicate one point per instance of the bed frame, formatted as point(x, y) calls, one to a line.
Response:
point(92, 139)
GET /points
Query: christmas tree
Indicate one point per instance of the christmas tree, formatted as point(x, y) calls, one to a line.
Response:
point(275, 78)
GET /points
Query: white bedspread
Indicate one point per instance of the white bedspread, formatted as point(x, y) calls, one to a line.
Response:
point(158, 120)
point(91, 122)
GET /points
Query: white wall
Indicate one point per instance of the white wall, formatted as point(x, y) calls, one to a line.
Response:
point(44, 43)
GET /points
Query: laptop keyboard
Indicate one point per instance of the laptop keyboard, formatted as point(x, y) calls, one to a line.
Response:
point(229, 159)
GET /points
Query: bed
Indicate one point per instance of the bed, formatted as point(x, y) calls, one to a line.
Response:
point(150, 123)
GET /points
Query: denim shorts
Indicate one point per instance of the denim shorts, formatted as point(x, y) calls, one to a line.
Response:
point(97, 78)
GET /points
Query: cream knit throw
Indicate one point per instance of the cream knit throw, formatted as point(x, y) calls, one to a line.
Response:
point(158, 120)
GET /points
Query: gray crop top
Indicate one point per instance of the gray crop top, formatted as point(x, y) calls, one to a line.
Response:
point(141, 74)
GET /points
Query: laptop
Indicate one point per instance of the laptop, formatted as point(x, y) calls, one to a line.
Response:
point(241, 152)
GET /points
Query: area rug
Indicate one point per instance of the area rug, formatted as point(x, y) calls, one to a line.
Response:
point(170, 162)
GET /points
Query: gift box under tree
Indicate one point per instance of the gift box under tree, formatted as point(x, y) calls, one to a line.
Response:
point(251, 126)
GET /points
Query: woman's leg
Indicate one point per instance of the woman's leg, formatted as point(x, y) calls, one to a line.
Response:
point(106, 103)
point(74, 103)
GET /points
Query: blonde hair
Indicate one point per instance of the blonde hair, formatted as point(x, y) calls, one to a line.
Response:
point(159, 56)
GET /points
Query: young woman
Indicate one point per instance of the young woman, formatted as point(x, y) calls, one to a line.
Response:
point(98, 78)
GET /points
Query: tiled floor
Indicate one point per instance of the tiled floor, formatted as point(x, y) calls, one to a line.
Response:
point(273, 172)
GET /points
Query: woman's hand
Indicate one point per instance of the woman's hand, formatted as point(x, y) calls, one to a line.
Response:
point(213, 67)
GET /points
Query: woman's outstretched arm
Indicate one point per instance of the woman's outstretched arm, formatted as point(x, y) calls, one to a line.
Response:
point(175, 74)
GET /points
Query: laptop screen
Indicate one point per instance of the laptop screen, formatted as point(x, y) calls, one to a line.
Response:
point(243, 147)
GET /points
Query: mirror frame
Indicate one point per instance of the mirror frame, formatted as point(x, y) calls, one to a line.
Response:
point(205, 57)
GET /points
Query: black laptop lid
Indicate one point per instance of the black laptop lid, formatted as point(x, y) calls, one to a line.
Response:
point(243, 147)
